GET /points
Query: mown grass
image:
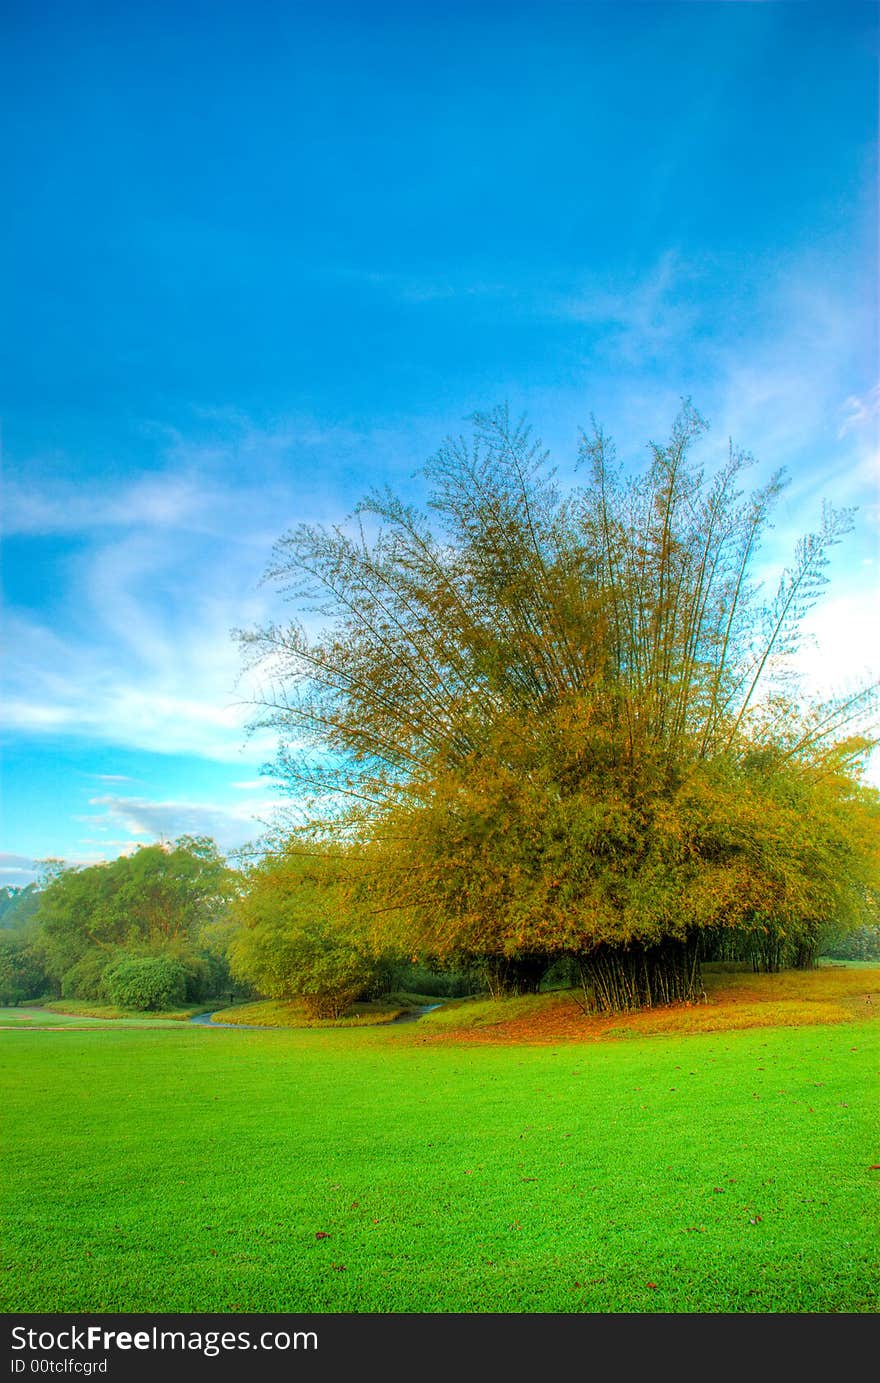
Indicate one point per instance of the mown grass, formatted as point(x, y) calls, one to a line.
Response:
point(461, 1015)
point(190, 1169)
point(735, 998)
point(55, 1020)
point(86, 1008)
point(291, 1013)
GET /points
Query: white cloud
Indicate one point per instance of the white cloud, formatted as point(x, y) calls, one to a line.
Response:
point(149, 820)
point(839, 653)
point(11, 861)
point(16, 871)
point(72, 506)
point(843, 649)
point(859, 411)
point(138, 650)
point(136, 685)
point(133, 646)
point(639, 318)
point(13, 877)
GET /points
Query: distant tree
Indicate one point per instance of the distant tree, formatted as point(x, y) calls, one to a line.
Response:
point(18, 906)
point(21, 975)
point(169, 892)
point(860, 943)
point(156, 901)
point(76, 916)
point(566, 724)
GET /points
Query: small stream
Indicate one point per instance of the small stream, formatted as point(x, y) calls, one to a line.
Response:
point(204, 1020)
point(415, 1013)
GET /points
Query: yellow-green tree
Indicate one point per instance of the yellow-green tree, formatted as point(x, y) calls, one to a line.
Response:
point(299, 935)
point(563, 723)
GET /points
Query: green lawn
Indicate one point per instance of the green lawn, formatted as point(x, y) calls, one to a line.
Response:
point(83, 1016)
point(190, 1169)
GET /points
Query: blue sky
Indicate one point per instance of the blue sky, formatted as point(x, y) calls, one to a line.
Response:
point(261, 257)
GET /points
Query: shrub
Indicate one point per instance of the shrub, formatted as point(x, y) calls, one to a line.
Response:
point(146, 983)
point(307, 959)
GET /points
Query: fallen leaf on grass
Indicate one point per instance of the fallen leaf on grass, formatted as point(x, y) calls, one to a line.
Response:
point(321, 1234)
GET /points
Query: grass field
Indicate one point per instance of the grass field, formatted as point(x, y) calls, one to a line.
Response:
point(392, 1170)
point(291, 1013)
point(43, 1018)
point(85, 1008)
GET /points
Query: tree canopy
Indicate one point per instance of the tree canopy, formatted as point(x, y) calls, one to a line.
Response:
point(541, 722)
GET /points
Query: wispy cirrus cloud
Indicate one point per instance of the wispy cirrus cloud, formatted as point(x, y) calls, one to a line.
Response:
point(857, 411)
point(637, 317)
point(67, 505)
point(225, 477)
point(134, 645)
point(158, 690)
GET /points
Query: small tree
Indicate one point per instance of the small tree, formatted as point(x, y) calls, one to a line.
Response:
point(299, 936)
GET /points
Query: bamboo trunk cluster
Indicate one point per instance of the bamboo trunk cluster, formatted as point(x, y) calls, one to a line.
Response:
point(620, 979)
point(508, 976)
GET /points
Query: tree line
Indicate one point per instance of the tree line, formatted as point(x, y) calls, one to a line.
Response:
point(145, 931)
